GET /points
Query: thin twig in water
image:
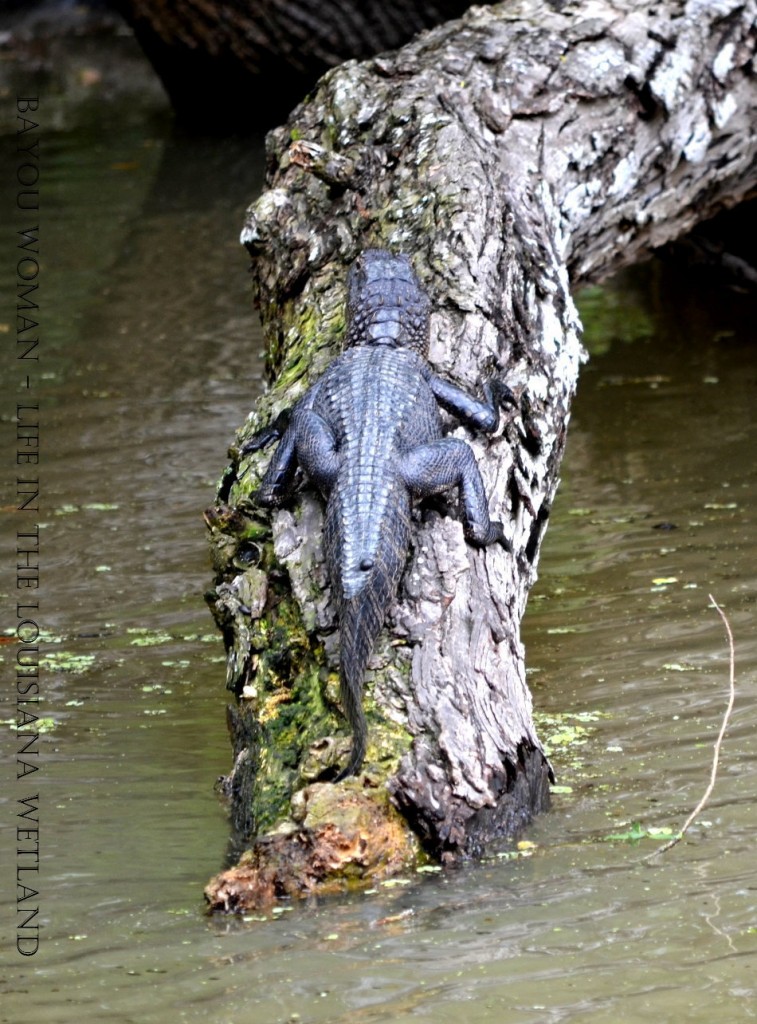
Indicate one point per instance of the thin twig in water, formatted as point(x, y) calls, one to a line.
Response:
point(718, 743)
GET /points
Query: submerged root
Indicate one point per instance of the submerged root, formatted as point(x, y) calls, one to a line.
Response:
point(718, 744)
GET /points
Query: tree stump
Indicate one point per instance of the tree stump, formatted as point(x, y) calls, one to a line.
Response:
point(513, 154)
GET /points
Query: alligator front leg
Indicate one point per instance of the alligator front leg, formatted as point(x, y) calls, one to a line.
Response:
point(449, 462)
point(475, 413)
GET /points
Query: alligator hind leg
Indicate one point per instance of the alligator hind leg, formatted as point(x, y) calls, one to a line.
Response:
point(276, 485)
point(316, 448)
point(307, 442)
point(449, 462)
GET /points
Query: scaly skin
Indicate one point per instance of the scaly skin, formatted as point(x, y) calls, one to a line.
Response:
point(369, 435)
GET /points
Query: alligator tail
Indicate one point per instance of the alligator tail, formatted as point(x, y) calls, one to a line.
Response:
point(360, 623)
point(361, 619)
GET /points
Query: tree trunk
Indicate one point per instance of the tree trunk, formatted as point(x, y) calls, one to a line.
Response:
point(229, 65)
point(513, 154)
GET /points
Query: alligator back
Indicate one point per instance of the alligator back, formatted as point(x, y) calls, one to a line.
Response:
point(377, 404)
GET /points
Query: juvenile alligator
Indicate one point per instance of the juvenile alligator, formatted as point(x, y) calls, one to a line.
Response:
point(369, 435)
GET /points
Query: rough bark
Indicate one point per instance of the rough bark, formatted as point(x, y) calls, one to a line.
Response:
point(513, 154)
point(237, 64)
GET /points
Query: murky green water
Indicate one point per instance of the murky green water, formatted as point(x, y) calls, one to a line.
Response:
point(146, 328)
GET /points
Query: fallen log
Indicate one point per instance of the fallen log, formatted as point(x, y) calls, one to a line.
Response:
point(514, 154)
point(233, 65)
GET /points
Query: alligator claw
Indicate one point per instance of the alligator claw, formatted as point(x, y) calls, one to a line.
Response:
point(496, 535)
point(501, 394)
point(273, 432)
point(498, 532)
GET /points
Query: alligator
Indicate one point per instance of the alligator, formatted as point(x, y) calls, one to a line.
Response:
point(368, 434)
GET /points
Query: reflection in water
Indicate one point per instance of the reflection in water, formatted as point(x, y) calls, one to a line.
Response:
point(148, 328)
